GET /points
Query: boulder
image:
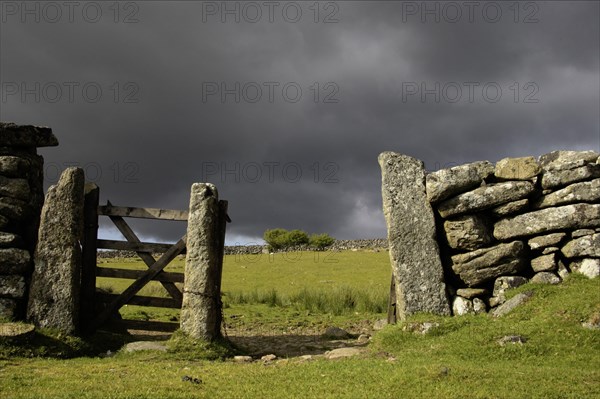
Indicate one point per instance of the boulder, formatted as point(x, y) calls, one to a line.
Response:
point(561, 160)
point(545, 278)
point(544, 263)
point(487, 264)
point(413, 248)
point(55, 284)
point(510, 208)
point(446, 183)
point(485, 197)
point(517, 168)
point(545, 240)
point(560, 178)
point(462, 306)
point(565, 217)
point(588, 267)
point(467, 232)
point(586, 246)
point(588, 191)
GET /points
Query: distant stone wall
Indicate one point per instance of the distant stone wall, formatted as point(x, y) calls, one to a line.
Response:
point(499, 226)
point(21, 199)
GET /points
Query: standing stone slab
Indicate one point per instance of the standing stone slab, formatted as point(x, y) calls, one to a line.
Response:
point(55, 284)
point(201, 308)
point(414, 253)
point(446, 183)
point(485, 197)
point(575, 216)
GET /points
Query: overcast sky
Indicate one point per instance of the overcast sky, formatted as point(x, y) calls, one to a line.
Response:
point(284, 106)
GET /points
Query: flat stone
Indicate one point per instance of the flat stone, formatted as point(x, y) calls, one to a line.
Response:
point(586, 246)
point(446, 183)
point(12, 135)
point(589, 267)
point(545, 240)
point(11, 166)
point(414, 252)
point(582, 232)
point(512, 304)
point(485, 197)
point(487, 264)
point(524, 168)
point(510, 208)
point(462, 306)
point(550, 250)
point(467, 232)
point(9, 240)
point(565, 217)
point(561, 160)
point(14, 188)
point(588, 191)
point(545, 278)
point(14, 261)
point(340, 353)
point(55, 283)
point(479, 306)
point(560, 178)
point(544, 263)
point(471, 293)
point(145, 346)
point(12, 286)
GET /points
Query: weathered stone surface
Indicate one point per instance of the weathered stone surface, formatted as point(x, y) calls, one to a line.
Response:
point(563, 272)
point(582, 232)
point(55, 284)
point(560, 160)
point(8, 308)
point(11, 166)
point(545, 278)
point(524, 168)
point(420, 327)
point(512, 339)
point(414, 252)
point(586, 246)
point(12, 286)
point(588, 191)
point(336, 332)
point(471, 293)
point(559, 178)
point(13, 135)
point(14, 261)
point(504, 283)
point(550, 250)
point(341, 353)
point(446, 183)
point(462, 306)
point(14, 188)
point(14, 209)
point(201, 308)
point(544, 263)
point(485, 197)
point(574, 216)
point(588, 267)
point(145, 346)
point(242, 359)
point(511, 304)
point(9, 240)
point(487, 264)
point(479, 306)
point(546, 240)
point(510, 208)
point(467, 232)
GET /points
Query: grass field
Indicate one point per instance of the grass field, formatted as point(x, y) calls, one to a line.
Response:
point(459, 359)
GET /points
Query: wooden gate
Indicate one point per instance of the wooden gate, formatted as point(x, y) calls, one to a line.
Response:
point(98, 307)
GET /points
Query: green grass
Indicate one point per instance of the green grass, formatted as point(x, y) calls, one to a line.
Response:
point(459, 359)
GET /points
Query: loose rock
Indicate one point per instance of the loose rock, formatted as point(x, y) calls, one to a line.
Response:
point(511, 304)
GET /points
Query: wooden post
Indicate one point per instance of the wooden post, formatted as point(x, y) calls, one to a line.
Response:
point(89, 249)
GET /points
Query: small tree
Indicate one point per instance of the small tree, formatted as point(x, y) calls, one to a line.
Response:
point(275, 238)
point(296, 237)
point(321, 241)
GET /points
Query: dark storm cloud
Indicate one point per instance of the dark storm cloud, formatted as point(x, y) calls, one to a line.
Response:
point(310, 164)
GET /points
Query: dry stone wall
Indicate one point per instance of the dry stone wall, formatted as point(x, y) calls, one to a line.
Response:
point(21, 199)
point(520, 220)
